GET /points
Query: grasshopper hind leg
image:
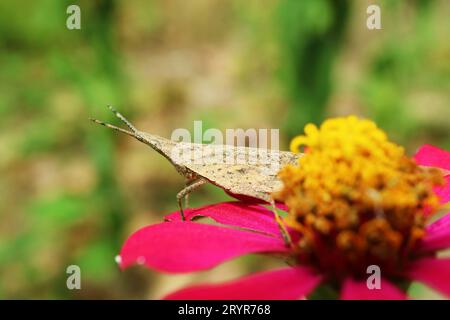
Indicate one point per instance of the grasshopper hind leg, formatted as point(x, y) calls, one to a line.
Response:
point(281, 225)
point(192, 185)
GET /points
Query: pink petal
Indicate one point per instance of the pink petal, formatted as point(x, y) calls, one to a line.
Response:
point(358, 290)
point(439, 225)
point(190, 246)
point(281, 206)
point(431, 156)
point(433, 272)
point(281, 284)
point(437, 235)
point(238, 214)
point(443, 192)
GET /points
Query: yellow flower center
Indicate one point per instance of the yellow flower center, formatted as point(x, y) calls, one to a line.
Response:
point(355, 198)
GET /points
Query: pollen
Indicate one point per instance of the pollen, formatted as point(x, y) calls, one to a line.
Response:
point(355, 198)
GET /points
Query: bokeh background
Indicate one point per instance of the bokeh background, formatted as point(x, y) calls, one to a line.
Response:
point(71, 192)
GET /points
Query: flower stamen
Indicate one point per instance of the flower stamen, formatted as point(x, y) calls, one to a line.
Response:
point(355, 197)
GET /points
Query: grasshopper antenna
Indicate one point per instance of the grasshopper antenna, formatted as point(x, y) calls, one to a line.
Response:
point(123, 119)
point(113, 127)
point(134, 132)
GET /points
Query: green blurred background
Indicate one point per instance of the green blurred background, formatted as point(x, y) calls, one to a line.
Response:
point(71, 192)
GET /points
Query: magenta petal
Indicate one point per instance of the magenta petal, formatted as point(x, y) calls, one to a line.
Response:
point(281, 284)
point(190, 246)
point(238, 214)
point(281, 206)
point(443, 192)
point(358, 290)
point(433, 272)
point(431, 156)
point(439, 225)
point(437, 235)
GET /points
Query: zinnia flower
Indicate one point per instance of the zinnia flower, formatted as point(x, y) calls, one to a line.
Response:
point(354, 200)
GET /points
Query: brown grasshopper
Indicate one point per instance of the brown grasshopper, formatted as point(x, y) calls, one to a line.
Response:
point(255, 179)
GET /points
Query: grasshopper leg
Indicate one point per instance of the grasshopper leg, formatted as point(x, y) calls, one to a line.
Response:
point(188, 189)
point(284, 233)
point(186, 197)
